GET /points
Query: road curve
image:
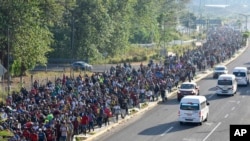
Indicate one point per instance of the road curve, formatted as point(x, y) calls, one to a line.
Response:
point(161, 122)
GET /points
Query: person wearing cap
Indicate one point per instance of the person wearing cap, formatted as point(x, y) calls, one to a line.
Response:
point(41, 135)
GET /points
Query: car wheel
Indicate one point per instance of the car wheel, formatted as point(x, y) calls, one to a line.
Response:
point(181, 123)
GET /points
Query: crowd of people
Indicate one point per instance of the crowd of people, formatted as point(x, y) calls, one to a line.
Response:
point(56, 111)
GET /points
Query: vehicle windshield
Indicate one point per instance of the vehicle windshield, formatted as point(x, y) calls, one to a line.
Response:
point(219, 68)
point(187, 86)
point(191, 106)
point(224, 82)
point(239, 74)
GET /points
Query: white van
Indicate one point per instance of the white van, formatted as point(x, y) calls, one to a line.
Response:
point(193, 109)
point(226, 85)
point(241, 74)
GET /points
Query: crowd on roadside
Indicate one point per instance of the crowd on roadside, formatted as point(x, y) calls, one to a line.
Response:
point(56, 111)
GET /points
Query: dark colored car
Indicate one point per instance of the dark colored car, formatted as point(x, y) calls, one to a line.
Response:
point(187, 88)
point(81, 65)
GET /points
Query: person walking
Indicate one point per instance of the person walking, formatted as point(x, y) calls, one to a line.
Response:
point(84, 123)
point(64, 131)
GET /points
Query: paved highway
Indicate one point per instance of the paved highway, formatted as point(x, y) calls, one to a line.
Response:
point(161, 122)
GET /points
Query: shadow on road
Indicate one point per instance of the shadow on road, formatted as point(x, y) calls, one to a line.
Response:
point(171, 101)
point(161, 128)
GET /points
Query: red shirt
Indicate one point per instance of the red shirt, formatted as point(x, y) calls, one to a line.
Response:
point(85, 120)
point(26, 134)
point(34, 137)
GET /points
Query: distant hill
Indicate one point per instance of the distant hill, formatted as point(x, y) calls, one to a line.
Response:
point(233, 8)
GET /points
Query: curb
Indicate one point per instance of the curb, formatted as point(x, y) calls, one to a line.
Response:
point(113, 125)
point(153, 104)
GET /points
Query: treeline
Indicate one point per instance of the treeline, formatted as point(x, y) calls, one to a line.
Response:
point(34, 30)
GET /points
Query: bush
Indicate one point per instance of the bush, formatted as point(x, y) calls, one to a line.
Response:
point(144, 58)
point(135, 59)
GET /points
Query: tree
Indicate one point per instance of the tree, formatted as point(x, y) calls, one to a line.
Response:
point(30, 37)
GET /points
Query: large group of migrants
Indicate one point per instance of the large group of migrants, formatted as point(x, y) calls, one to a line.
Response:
point(56, 111)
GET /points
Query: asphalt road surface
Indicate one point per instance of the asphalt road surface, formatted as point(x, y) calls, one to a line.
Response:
point(161, 122)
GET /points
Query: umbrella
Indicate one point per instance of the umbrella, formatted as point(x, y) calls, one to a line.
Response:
point(50, 117)
point(29, 124)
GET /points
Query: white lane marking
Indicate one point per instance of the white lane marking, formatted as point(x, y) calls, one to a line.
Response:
point(226, 116)
point(233, 108)
point(243, 96)
point(211, 132)
point(208, 123)
point(167, 131)
point(232, 101)
point(211, 96)
point(238, 102)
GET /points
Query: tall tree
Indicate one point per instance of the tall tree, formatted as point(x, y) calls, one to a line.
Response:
point(30, 37)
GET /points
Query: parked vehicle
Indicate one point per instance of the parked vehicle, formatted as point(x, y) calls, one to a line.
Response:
point(218, 70)
point(187, 88)
point(81, 65)
point(193, 109)
point(226, 85)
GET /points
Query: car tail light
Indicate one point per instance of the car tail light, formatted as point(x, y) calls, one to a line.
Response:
point(200, 114)
point(179, 113)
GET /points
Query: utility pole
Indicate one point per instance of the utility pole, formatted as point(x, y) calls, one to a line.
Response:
point(246, 16)
point(8, 59)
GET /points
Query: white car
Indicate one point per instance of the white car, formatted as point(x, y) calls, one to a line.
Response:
point(218, 70)
point(187, 88)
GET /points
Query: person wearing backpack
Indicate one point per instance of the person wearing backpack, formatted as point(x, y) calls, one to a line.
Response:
point(41, 135)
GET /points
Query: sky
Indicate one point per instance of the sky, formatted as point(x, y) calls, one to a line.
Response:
point(233, 9)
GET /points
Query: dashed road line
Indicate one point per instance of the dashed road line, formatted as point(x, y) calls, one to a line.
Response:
point(238, 102)
point(211, 132)
point(167, 131)
point(233, 108)
point(226, 116)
